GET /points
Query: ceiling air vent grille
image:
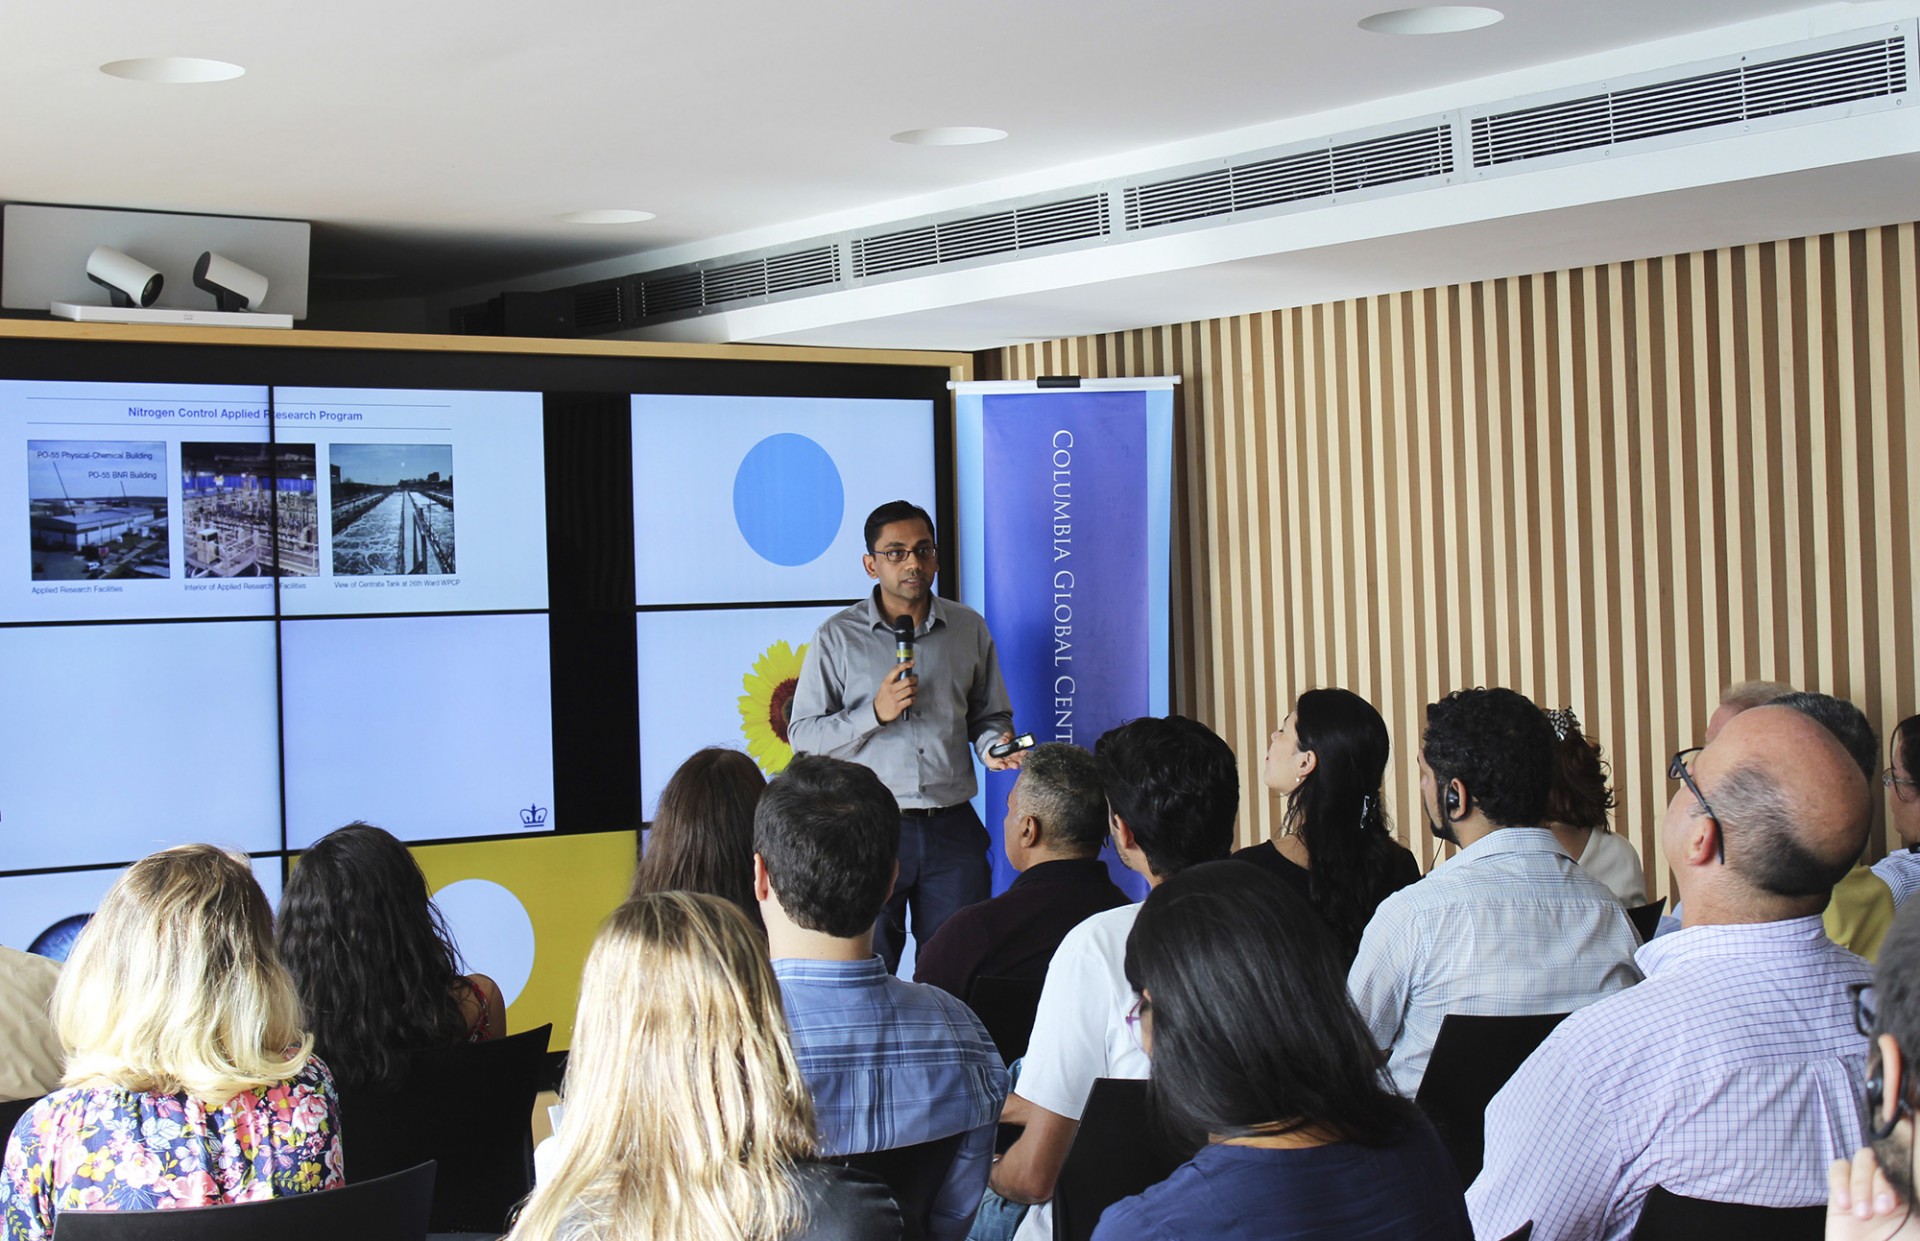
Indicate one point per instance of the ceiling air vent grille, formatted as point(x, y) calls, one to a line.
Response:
point(663, 295)
point(1002, 232)
point(598, 309)
point(803, 270)
point(1337, 169)
point(1724, 97)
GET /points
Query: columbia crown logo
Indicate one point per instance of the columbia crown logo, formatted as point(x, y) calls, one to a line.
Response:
point(533, 816)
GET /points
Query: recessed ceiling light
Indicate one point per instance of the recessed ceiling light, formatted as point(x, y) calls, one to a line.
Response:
point(949, 136)
point(171, 69)
point(610, 216)
point(1432, 19)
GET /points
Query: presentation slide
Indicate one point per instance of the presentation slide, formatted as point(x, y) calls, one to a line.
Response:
point(122, 739)
point(421, 502)
point(722, 677)
point(139, 501)
point(44, 913)
point(429, 726)
point(763, 499)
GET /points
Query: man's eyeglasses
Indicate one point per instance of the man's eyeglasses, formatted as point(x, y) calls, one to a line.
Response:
point(1899, 784)
point(894, 555)
point(1866, 1010)
point(1677, 770)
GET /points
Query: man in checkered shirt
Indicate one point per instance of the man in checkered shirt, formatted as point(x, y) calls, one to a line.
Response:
point(1732, 1073)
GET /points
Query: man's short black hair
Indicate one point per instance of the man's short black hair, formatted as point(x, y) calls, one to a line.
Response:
point(1175, 784)
point(829, 833)
point(892, 511)
point(1847, 723)
point(1498, 744)
point(1896, 983)
point(1061, 786)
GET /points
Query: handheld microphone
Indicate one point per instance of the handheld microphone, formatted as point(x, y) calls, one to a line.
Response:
point(903, 645)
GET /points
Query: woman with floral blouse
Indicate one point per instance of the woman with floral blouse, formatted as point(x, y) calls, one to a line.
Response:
point(189, 1080)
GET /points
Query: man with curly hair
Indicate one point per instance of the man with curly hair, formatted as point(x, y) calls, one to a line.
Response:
point(1510, 925)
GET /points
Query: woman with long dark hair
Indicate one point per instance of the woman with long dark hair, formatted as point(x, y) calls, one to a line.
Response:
point(1258, 1053)
point(376, 967)
point(1334, 846)
point(701, 837)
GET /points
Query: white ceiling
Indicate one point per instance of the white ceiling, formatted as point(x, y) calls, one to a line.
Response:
point(433, 144)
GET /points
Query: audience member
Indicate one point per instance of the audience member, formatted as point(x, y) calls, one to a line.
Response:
point(1259, 1058)
point(189, 1081)
point(1173, 791)
point(30, 1054)
point(1729, 1073)
point(1861, 911)
point(1871, 1197)
point(1334, 845)
point(1578, 802)
point(377, 969)
point(1508, 926)
point(1900, 869)
point(890, 1063)
point(687, 1116)
point(1739, 697)
point(701, 837)
point(1056, 822)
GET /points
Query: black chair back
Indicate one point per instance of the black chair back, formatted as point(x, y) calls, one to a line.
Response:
point(914, 1175)
point(1670, 1217)
point(387, 1208)
point(1472, 1059)
point(1006, 1007)
point(1646, 918)
point(1116, 1153)
point(10, 1113)
point(468, 1108)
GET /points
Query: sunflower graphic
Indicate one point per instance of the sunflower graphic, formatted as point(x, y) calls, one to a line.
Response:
point(768, 704)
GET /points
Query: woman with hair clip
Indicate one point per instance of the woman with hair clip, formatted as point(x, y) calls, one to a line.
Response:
point(1258, 1054)
point(687, 1118)
point(189, 1080)
point(1900, 869)
point(1578, 802)
point(1334, 845)
point(701, 837)
point(375, 964)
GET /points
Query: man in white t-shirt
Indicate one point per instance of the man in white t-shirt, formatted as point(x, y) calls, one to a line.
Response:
point(1173, 790)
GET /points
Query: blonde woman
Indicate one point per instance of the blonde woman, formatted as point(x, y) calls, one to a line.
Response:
point(687, 1118)
point(189, 1080)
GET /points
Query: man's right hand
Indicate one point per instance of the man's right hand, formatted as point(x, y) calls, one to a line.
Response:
point(1860, 1202)
point(896, 693)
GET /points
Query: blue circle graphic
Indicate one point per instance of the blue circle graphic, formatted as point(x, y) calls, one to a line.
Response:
point(787, 499)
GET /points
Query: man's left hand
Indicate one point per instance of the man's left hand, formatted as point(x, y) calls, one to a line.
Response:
point(1008, 763)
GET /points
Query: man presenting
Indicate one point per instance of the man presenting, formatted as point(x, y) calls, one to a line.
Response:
point(911, 722)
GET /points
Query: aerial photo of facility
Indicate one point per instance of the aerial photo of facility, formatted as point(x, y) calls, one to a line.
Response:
point(97, 509)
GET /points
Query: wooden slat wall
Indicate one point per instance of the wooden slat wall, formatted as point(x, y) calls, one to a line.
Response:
point(1617, 488)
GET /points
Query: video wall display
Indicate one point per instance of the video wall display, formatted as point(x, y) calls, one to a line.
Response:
point(498, 609)
point(749, 527)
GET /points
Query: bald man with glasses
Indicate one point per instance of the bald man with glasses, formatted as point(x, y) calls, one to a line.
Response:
point(1729, 1073)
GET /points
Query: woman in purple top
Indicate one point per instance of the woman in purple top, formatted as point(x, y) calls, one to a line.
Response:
point(1258, 1052)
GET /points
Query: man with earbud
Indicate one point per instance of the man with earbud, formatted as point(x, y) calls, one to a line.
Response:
point(1510, 926)
point(1871, 1197)
point(1732, 1074)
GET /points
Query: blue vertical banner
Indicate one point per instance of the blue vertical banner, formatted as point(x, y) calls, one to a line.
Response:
point(1065, 508)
